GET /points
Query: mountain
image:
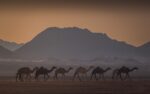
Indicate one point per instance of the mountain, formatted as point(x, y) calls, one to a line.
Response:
point(10, 45)
point(144, 50)
point(4, 53)
point(73, 42)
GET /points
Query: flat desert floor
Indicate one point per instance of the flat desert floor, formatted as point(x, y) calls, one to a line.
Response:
point(75, 87)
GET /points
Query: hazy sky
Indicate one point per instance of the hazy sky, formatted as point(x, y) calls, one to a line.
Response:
point(130, 23)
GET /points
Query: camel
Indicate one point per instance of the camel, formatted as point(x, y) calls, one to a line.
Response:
point(123, 70)
point(115, 74)
point(99, 71)
point(24, 71)
point(43, 71)
point(81, 70)
point(61, 71)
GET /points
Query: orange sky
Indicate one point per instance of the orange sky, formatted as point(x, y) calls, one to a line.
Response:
point(22, 24)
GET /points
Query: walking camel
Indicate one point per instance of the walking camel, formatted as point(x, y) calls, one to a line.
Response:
point(123, 70)
point(43, 71)
point(81, 70)
point(24, 71)
point(100, 71)
point(61, 71)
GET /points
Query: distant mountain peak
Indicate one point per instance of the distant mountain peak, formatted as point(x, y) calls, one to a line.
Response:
point(73, 42)
point(5, 53)
point(145, 45)
point(10, 45)
point(71, 30)
point(65, 31)
point(75, 29)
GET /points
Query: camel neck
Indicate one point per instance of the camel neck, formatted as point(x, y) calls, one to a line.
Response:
point(106, 70)
point(132, 69)
point(51, 69)
point(68, 70)
point(32, 70)
point(88, 69)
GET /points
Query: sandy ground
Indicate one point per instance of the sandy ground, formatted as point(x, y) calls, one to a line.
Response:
point(75, 87)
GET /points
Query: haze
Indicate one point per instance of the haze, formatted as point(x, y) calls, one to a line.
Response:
point(130, 24)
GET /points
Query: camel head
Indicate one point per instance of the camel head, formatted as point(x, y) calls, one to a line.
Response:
point(36, 68)
point(91, 67)
point(54, 67)
point(135, 68)
point(70, 68)
point(107, 69)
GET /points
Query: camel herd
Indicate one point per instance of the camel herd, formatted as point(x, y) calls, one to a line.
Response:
point(97, 73)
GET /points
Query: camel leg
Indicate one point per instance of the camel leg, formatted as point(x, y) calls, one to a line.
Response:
point(64, 76)
point(117, 76)
point(97, 78)
point(91, 77)
point(26, 76)
point(113, 76)
point(17, 75)
point(47, 76)
point(103, 77)
point(21, 77)
point(73, 77)
point(79, 77)
point(128, 76)
point(36, 77)
point(55, 76)
point(76, 75)
point(121, 77)
point(29, 77)
point(86, 76)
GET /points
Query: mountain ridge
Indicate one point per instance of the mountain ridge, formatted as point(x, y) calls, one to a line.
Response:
point(5, 53)
point(74, 42)
point(10, 45)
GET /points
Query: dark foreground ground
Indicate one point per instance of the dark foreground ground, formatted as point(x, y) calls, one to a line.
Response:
point(75, 87)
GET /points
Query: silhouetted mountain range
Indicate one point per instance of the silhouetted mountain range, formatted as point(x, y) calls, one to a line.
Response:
point(144, 50)
point(77, 43)
point(5, 53)
point(10, 45)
